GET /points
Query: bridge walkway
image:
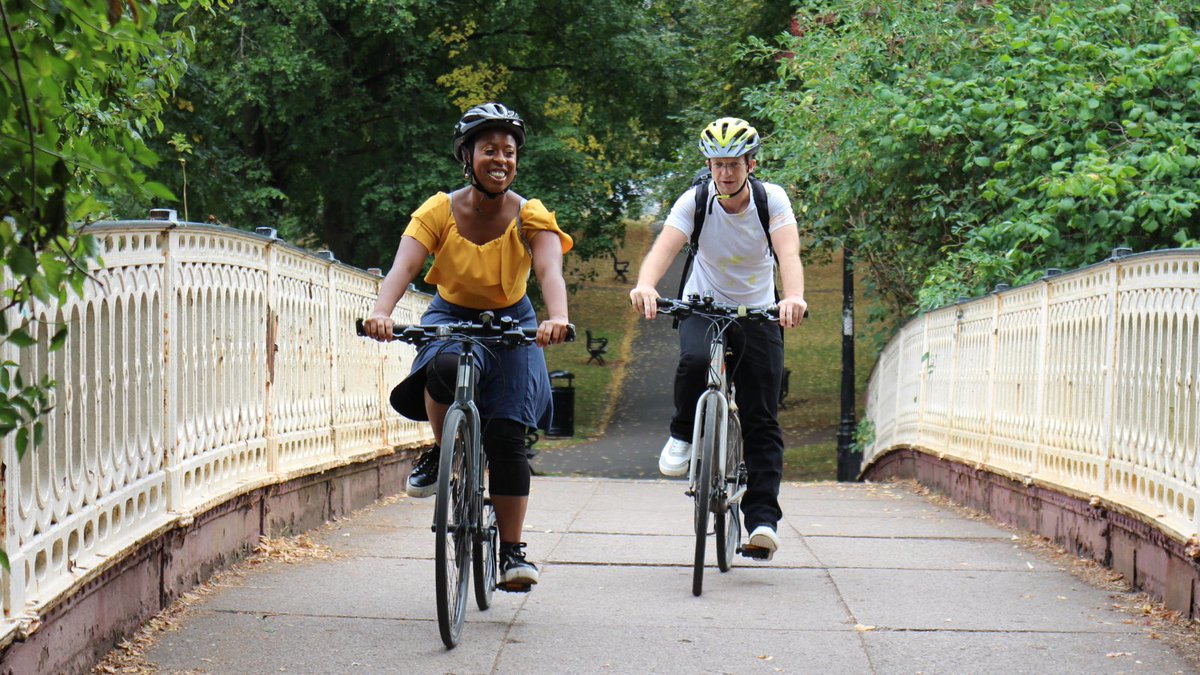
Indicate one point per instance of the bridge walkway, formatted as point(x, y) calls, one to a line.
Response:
point(871, 578)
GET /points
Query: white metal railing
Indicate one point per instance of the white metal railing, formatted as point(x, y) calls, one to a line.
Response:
point(202, 362)
point(1087, 381)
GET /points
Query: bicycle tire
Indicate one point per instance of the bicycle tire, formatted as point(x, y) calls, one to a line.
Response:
point(728, 519)
point(703, 492)
point(452, 527)
point(483, 558)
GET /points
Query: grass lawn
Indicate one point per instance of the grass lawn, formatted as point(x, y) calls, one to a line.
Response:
point(813, 353)
point(601, 305)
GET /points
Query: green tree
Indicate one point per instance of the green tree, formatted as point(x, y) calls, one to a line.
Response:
point(331, 119)
point(956, 146)
point(82, 84)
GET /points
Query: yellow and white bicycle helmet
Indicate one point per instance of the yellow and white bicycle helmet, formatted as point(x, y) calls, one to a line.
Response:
point(728, 137)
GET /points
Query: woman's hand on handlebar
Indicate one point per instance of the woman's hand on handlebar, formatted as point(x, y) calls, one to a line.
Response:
point(792, 312)
point(379, 327)
point(645, 300)
point(552, 332)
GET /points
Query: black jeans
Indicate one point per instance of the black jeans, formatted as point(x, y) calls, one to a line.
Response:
point(756, 370)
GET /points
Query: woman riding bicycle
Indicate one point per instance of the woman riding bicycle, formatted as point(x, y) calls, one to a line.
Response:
point(484, 239)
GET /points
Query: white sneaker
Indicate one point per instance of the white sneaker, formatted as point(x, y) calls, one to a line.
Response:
point(764, 537)
point(675, 457)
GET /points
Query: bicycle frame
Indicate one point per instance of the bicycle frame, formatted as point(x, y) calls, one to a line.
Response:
point(720, 391)
point(464, 400)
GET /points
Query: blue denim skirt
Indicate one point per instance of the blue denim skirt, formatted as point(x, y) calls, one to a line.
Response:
point(513, 383)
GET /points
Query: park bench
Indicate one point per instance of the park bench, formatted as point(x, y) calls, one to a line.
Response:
point(596, 347)
point(620, 267)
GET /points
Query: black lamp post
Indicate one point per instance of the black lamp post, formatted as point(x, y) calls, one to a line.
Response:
point(848, 460)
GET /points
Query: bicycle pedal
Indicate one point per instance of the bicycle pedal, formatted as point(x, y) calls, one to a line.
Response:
point(515, 588)
point(755, 552)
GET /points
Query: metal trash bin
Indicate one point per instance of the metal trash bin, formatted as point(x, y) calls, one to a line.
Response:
point(562, 422)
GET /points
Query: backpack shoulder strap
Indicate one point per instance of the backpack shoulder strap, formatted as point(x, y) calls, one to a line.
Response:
point(698, 216)
point(759, 192)
point(694, 243)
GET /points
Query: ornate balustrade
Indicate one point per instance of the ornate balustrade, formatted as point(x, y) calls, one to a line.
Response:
point(202, 363)
point(1087, 383)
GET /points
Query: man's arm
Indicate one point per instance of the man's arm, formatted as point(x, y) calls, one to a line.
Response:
point(661, 255)
point(792, 305)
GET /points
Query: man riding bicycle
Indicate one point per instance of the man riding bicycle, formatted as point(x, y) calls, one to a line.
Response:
point(733, 260)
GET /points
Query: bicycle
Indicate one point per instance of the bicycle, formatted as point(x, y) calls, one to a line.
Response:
point(717, 473)
point(464, 522)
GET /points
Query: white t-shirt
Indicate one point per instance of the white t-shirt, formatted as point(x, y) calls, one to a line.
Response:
point(733, 260)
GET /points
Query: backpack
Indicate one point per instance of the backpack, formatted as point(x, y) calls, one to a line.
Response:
point(758, 193)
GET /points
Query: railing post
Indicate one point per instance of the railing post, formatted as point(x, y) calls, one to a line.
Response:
point(1043, 335)
point(271, 347)
point(951, 402)
point(920, 430)
point(12, 581)
point(993, 351)
point(331, 344)
point(171, 357)
point(1110, 374)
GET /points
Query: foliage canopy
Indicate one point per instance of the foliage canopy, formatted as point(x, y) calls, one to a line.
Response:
point(955, 146)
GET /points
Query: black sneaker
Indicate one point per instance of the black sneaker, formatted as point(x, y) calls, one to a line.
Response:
point(517, 575)
point(422, 482)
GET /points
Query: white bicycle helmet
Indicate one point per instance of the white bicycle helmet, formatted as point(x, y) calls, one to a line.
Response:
point(728, 137)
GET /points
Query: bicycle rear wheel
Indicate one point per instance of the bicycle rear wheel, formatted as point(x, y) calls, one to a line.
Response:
point(706, 454)
point(483, 558)
point(729, 519)
point(452, 526)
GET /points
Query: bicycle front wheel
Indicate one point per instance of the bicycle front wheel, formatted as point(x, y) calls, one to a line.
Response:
point(487, 543)
point(728, 525)
point(452, 526)
point(706, 453)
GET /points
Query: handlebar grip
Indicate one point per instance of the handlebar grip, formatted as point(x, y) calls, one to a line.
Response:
point(360, 328)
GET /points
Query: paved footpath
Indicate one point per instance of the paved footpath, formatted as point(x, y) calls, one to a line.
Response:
point(870, 579)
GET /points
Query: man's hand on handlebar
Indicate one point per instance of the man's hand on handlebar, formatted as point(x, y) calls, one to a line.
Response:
point(644, 299)
point(792, 312)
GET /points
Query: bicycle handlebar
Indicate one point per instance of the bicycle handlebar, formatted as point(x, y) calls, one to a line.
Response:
point(506, 331)
point(695, 305)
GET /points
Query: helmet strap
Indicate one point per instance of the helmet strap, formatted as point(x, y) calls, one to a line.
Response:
point(469, 174)
point(735, 192)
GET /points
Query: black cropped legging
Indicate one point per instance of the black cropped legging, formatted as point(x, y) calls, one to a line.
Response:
point(503, 440)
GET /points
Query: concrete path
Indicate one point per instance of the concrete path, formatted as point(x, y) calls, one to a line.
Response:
point(870, 579)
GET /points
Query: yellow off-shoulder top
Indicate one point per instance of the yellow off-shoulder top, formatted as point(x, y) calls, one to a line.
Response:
point(480, 276)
